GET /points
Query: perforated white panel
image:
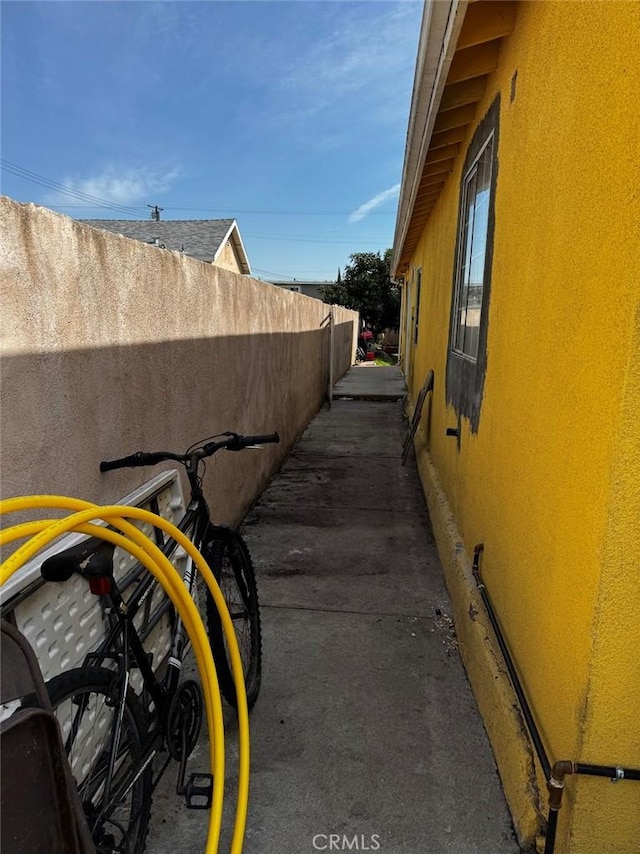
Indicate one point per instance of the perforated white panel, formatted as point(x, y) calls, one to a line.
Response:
point(64, 622)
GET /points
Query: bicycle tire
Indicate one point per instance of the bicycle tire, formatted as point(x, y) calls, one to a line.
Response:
point(228, 557)
point(88, 691)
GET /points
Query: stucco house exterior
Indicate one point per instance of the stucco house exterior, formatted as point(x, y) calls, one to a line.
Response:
point(216, 241)
point(517, 245)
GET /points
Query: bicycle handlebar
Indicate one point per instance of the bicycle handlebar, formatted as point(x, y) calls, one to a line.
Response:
point(231, 442)
point(236, 442)
point(138, 459)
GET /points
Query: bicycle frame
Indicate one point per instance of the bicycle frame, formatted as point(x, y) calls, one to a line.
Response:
point(193, 524)
point(123, 646)
point(123, 641)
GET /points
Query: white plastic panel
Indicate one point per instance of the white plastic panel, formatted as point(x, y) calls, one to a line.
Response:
point(63, 622)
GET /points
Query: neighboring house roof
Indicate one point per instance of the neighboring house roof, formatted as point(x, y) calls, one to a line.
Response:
point(203, 239)
point(310, 289)
point(458, 48)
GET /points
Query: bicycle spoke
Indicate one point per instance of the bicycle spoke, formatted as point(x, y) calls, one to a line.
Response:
point(81, 702)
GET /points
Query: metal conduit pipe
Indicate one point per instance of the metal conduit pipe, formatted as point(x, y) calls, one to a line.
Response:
point(515, 680)
point(555, 773)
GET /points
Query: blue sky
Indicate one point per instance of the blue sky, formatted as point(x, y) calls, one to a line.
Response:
point(289, 116)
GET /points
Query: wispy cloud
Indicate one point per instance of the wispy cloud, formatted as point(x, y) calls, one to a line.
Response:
point(376, 201)
point(124, 187)
point(345, 57)
point(116, 186)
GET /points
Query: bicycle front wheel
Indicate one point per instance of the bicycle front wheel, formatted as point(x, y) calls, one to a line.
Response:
point(228, 557)
point(85, 702)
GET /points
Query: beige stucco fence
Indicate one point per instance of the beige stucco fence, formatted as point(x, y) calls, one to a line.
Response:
point(110, 346)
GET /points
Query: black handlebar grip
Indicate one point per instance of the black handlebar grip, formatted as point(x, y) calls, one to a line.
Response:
point(269, 438)
point(124, 463)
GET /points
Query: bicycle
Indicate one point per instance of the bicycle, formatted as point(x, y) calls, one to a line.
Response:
point(111, 733)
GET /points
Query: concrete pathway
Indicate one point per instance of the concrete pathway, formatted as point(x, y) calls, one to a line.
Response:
point(366, 728)
point(371, 382)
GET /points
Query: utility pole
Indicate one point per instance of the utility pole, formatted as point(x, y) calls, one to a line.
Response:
point(155, 212)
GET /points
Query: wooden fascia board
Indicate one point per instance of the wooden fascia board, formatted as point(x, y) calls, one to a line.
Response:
point(429, 190)
point(431, 183)
point(233, 234)
point(474, 62)
point(455, 118)
point(447, 137)
point(487, 21)
point(460, 94)
point(426, 208)
point(441, 24)
point(246, 266)
point(429, 196)
point(437, 155)
point(426, 204)
point(436, 168)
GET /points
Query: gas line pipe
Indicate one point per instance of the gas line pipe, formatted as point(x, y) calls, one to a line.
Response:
point(555, 774)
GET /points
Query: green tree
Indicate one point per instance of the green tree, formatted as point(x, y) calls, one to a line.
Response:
point(366, 287)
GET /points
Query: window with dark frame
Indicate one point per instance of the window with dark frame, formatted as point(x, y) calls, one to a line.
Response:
point(472, 250)
point(473, 262)
point(417, 314)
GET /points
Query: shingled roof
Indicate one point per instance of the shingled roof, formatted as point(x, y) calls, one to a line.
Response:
point(203, 239)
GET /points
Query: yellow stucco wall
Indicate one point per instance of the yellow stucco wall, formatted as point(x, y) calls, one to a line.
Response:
point(551, 481)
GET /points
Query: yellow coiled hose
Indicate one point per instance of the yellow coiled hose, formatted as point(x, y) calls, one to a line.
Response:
point(145, 551)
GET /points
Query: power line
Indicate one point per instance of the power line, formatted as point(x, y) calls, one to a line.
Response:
point(96, 201)
point(28, 175)
point(278, 276)
point(313, 240)
point(284, 213)
point(283, 276)
point(253, 211)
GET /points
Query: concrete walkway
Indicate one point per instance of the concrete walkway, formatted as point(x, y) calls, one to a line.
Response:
point(366, 727)
point(370, 382)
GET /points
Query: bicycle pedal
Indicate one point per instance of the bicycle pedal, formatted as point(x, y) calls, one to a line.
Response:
point(198, 793)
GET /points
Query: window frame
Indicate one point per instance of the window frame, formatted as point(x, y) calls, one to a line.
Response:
point(465, 373)
point(462, 242)
point(416, 324)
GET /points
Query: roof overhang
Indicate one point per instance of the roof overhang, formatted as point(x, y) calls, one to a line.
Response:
point(233, 234)
point(457, 50)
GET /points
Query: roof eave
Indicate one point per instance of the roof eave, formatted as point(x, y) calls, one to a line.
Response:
point(441, 24)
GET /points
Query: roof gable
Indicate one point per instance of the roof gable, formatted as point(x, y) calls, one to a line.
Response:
point(203, 239)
